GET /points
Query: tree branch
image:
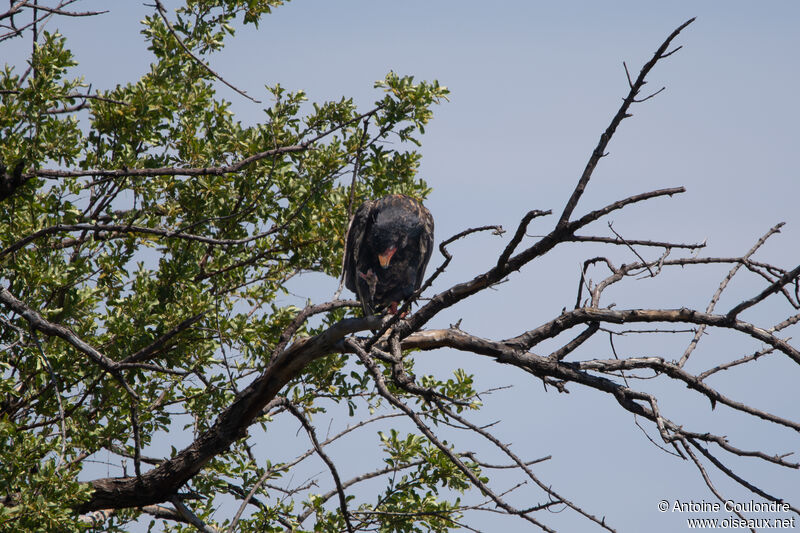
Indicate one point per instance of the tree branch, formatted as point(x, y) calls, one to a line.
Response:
point(788, 277)
point(326, 459)
point(622, 114)
point(715, 298)
point(54, 330)
point(162, 482)
point(199, 171)
point(162, 12)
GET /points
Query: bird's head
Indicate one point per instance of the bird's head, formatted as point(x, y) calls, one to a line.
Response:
point(388, 246)
point(385, 257)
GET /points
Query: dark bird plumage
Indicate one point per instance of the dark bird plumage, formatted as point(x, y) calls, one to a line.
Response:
point(389, 243)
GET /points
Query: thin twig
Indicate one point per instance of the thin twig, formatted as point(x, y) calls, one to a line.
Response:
point(715, 298)
point(631, 248)
point(327, 460)
point(57, 390)
point(749, 486)
point(380, 383)
point(351, 201)
point(637, 242)
point(519, 234)
point(162, 12)
point(707, 479)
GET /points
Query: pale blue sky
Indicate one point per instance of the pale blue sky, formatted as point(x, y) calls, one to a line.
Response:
point(533, 86)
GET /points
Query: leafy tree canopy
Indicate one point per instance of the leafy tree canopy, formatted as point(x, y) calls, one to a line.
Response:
point(162, 235)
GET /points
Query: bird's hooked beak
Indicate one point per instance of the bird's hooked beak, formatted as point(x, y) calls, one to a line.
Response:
point(386, 256)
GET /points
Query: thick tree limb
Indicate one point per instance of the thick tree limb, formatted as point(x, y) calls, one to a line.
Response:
point(690, 316)
point(162, 482)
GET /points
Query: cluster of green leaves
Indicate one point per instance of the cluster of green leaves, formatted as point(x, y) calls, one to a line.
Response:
point(43, 488)
point(427, 470)
point(151, 252)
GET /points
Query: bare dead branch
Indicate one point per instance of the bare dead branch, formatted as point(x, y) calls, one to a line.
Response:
point(58, 11)
point(788, 277)
point(743, 360)
point(689, 316)
point(707, 479)
point(631, 248)
point(646, 98)
point(520, 233)
point(785, 323)
point(637, 242)
point(599, 213)
point(749, 486)
point(723, 443)
point(506, 352)
point(722, 285)
point(557, 498)
point(584, 282)
point(582, 337)
point(622, 113)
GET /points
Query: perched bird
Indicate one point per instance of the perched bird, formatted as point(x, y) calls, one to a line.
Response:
point(389, 243)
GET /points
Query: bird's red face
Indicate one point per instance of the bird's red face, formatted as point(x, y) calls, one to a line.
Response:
point(386, 256)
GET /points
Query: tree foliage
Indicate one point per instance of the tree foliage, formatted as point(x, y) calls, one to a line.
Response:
point(146, 240)
point(172, 274)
